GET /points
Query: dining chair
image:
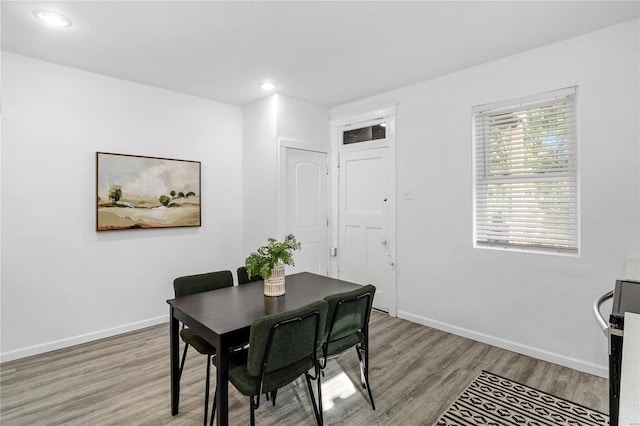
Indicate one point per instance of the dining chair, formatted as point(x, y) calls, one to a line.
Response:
point(347, 326)
point(282, 347)
point(192, 284)
point(243, 277)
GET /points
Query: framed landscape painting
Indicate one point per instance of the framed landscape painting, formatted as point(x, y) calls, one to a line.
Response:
point(136, 192)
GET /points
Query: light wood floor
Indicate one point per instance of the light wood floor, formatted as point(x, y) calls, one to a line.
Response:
point(416, 372)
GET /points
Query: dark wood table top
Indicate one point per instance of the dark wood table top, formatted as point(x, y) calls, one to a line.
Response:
point(232, 309)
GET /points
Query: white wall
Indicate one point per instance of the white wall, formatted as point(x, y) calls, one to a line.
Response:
point(259, 173)
point(63, 283)
point(534, 304)
point(267, 124)
point(303, 125)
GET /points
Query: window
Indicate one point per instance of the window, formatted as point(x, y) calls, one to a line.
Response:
point(526, 186)
point(365, 132)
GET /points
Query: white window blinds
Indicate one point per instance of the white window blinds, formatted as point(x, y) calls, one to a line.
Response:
point(526, 189)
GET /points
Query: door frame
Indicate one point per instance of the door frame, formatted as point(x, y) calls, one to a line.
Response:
point(389, 114)
point(283, 145)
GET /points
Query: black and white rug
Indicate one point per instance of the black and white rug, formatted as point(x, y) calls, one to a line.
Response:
point(494, 400)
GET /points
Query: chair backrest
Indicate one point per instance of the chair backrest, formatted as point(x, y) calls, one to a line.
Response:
point(198, 283)
point(286, 339)
point(348, 312)
point(243, 277)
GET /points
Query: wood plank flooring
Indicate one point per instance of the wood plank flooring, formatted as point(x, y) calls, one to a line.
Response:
point(416, 372)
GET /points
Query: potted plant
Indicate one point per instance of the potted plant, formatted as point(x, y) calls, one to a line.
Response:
point(268, 262)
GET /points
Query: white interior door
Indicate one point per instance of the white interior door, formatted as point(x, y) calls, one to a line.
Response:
point(364, 239)
point(306, 210)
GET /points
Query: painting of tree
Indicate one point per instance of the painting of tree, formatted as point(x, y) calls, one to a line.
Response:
point(136, 192)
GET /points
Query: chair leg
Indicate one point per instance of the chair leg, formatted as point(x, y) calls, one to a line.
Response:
point(364, 371)
point(274, 393)
point(362, 367)
point(320, 399)
point(252, 414)
point(316, 411)
point(206, 390)
point(184, 357)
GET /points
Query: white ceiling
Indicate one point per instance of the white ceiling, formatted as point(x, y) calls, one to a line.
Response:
point(327, 53)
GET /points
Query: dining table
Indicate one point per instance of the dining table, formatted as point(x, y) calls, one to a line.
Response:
point(223, 318)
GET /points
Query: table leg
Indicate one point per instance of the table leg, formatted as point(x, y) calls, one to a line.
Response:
point(174, 360)
point(222, 383)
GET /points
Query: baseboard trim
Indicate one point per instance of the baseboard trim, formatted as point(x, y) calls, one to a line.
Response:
point(83, 338)
point(576, 364)
point(554, 358)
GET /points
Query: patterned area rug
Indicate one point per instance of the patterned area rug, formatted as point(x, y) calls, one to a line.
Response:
point(493, 400)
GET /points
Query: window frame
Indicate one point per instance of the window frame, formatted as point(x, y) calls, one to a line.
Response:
point(374, 143)
point(482, 180)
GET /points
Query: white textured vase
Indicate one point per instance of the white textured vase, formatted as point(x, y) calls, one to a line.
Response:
point(274, 285)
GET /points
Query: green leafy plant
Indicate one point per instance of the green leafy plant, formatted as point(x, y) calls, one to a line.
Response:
point(262, 261)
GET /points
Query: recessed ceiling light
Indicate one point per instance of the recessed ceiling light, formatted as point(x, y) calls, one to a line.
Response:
point(268, 86)
point(52, 18)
